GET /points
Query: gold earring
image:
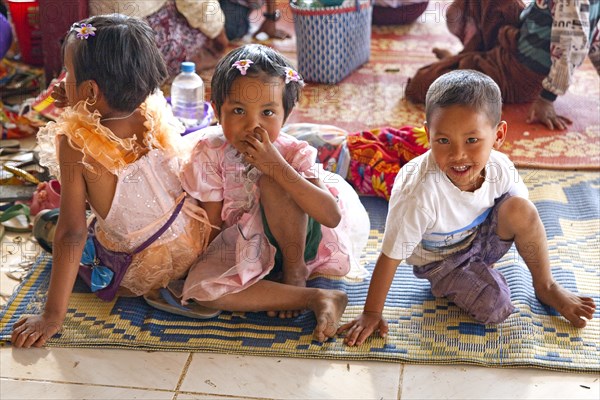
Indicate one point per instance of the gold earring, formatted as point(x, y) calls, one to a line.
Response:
point(92, 102)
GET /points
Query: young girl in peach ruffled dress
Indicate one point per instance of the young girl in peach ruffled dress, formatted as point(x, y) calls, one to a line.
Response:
point(280, 216)
point(116, 148)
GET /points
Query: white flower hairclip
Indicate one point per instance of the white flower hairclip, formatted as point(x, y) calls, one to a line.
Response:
point(84, 31)
point(242, 65)
point(291, 75)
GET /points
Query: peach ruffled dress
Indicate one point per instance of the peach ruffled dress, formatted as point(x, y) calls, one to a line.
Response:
point(147, 191)
point(241, 254)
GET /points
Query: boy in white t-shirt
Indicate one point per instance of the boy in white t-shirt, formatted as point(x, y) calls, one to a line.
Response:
point(456, 210)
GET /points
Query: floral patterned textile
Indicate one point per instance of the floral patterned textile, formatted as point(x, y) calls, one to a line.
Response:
point(175, 38)
point(377, 156)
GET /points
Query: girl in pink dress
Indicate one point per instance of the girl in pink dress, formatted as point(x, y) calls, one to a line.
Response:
point(276, 214)
point(116, 148)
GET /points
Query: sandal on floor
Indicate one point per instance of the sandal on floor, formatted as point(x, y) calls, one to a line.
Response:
point(16, 218)
point(44, 226)
point(163, 300)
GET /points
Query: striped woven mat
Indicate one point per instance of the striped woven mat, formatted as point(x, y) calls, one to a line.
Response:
point(422, 329)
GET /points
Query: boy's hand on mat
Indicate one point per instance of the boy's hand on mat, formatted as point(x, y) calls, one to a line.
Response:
point(362, 327)
point(35, 330)
point(543, 111)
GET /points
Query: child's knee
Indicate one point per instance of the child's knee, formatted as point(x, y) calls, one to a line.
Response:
point(518, 209)
point(515, 215)
point(268, 187)
point(273, 193)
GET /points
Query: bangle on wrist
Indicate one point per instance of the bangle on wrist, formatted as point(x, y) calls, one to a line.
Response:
point(275, 16)
point(548, 95)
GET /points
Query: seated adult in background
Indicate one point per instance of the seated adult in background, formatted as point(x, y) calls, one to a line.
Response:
point(186, 30)
point(531, 52)
point(237, 18)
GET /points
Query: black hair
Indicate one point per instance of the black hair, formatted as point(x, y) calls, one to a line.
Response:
point(468, 88)
point(266, 61)
point(122, 58)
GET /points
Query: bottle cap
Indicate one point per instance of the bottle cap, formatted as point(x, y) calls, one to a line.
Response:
point(188, 66)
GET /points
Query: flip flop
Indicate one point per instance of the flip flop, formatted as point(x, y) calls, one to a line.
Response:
point(165, 301)
point(16, 218)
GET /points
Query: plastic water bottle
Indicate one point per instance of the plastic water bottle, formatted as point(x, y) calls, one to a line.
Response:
point(187, 95)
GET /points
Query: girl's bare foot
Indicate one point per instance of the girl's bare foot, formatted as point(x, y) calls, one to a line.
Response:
point(284, 314)
point(568, 304)
point(441, 53)
point(328, 306)
point(294, 277)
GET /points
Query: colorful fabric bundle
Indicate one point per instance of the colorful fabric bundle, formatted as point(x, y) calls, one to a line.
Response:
point(377, 156)
point(330, 142)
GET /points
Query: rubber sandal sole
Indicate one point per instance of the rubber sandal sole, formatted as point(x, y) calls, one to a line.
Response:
point(166, 302)
point(16, 218)
point(44, 225)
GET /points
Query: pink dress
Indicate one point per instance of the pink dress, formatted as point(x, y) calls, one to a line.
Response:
point(241, 254)
point(146, 193)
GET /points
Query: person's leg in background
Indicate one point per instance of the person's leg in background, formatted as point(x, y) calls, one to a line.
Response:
point(237, 18)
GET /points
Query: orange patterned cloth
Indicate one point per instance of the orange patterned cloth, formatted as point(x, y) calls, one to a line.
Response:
point(376, 157)
point(100, 145)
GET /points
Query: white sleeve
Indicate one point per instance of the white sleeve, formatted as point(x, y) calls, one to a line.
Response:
point(406, 223)
point(518, 188)
point(504, 173)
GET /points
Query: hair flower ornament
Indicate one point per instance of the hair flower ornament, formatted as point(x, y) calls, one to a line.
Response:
point(84, 31)
point(242, 65)
point(291, 75)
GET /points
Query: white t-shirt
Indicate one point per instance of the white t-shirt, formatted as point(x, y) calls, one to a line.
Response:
point(429, 218)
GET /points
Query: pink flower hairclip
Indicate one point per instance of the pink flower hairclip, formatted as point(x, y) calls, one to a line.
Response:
point(242, 65)
point(84, 31)
point(291, 75)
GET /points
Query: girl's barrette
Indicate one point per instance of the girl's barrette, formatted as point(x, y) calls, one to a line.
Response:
point(84, 31)
point(242, 65)
point(291, 75)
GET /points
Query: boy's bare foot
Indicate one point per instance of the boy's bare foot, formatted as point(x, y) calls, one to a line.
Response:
point(441, 53)
point(568, 304)
point(328, 306)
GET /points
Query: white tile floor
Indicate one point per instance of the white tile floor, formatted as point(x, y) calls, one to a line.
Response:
point(124, 374)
